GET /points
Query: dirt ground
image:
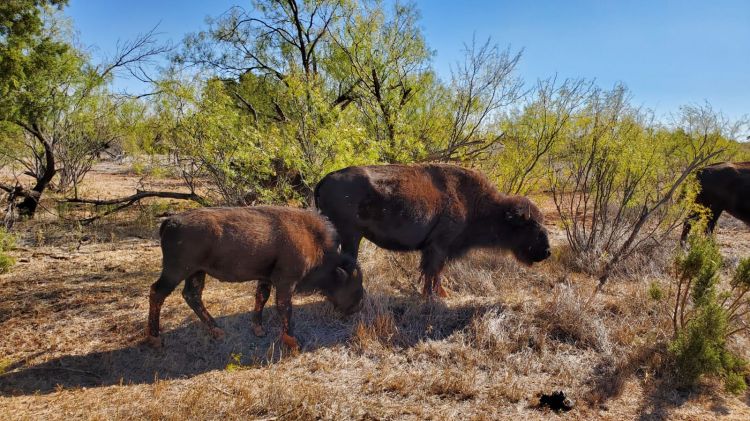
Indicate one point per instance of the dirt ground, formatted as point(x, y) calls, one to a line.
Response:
point(73, 312)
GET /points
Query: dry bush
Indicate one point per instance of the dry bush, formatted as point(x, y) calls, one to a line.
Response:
point(453, 384)
point(501, 333)
point(570, 317)
point(376, 328)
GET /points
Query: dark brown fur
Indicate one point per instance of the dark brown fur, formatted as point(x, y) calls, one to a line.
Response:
point(442, 210)
point(287, 248)
point(723, 187)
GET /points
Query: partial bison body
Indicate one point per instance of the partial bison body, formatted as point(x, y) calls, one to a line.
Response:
point(289, 249)
point(723, 187)
point(442, 210)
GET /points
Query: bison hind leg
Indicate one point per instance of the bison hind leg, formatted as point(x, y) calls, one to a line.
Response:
point(160, 290)
point(193, 295)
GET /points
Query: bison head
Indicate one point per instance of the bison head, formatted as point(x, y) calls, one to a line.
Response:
point(346, 290)
point(525, 232)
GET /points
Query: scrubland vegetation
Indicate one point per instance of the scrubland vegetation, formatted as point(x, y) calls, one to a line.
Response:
point(255, 108)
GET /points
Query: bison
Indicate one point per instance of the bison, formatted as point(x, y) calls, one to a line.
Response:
point(442, 210)
point(289, 249)
point(723, 187)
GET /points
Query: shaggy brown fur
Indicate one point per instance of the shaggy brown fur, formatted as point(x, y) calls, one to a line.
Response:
point(441, 210)
point(289, 249)
point(723, 187)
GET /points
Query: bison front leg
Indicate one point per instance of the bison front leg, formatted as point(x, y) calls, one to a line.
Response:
point(193, 295)
point(284, 307)
point(432, 265)
point(158, 293)
point(262, 292)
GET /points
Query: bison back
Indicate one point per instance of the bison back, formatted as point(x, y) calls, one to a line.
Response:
point(398, 206)
point(238, 244)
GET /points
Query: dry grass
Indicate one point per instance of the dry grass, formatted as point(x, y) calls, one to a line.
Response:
point(72, 314)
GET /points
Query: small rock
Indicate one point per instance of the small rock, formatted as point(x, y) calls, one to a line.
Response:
point(556, 401)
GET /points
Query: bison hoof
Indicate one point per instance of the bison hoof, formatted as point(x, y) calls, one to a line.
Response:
point(439, 292)
point(153, 341)
point(290, 342)
point(217, 333)
point(258, 331)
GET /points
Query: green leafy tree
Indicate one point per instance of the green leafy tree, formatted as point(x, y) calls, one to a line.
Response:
point(615, 177)
point(29, 51)
point(272, 62)
point(383, 58)
point(530, 135)
point(59, 101)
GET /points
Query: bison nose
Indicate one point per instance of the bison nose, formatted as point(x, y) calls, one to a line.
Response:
point(357, 307)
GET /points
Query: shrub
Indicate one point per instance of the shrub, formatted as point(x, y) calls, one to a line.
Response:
point(655, 292)
point(7, 242)
point(616, 176)
point(705, 318)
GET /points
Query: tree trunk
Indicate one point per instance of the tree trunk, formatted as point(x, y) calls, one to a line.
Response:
point(28, 206)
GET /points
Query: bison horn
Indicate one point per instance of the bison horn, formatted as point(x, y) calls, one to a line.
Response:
point(528, 212)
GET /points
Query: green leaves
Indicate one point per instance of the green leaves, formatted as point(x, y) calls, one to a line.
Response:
point(27, 52)
point(704, 320)
point(741, 277)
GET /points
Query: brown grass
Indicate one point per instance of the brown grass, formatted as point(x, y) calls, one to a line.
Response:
point(72, 313)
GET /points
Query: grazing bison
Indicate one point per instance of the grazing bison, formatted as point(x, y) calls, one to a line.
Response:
point(289, 249)
point(441, 210)
point(723, 187)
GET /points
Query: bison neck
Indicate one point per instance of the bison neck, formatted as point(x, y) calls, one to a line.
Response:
point(487, 227)
point(318, 278)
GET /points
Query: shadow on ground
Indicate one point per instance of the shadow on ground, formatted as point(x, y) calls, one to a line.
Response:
point(189, 351)
point(662, 395)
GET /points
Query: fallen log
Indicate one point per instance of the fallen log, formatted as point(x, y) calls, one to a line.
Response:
point(124, 202)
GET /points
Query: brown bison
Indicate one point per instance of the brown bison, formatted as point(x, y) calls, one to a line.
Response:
point(723, 187)
point(442, 210)
point(289, 249)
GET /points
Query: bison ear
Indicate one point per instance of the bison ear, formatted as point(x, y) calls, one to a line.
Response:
point(341, 275)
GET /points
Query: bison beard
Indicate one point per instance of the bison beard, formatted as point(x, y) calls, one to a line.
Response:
point(289, 249)
point(441, 210)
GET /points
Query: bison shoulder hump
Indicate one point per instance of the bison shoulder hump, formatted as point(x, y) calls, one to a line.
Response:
point(170, 223)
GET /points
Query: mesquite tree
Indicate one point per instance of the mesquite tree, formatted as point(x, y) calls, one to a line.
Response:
point(59, 100)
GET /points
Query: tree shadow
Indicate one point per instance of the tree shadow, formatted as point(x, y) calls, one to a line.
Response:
point(189, 351)
point(662, 394)
point(661, 398)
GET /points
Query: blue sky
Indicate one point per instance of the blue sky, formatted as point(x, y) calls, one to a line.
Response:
point(667, 52)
